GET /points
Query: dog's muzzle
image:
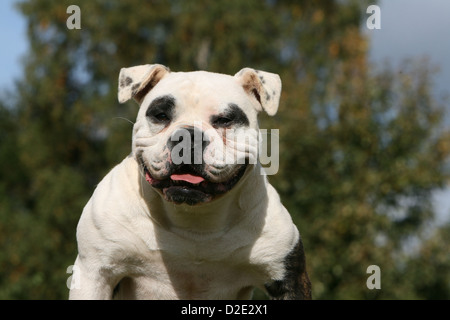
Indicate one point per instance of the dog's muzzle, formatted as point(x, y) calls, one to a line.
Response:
point(188, 177)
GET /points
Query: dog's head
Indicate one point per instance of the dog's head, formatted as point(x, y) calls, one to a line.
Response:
point(196, 133)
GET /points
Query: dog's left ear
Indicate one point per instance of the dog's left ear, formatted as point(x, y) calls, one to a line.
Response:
point(136, 82)
point(265, 87)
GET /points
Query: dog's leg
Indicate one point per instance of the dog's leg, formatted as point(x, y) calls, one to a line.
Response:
point(295, 285)
point(89, 284)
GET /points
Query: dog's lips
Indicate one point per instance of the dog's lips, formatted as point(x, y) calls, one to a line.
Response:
point(150, 179)
point(190, 188)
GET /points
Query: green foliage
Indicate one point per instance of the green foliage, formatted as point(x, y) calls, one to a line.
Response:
point(362, 148)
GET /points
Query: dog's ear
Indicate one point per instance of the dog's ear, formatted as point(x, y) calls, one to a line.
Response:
point(136, 82)
point(265, 87)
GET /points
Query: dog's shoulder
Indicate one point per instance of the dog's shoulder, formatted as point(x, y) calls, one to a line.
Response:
point(114, 215)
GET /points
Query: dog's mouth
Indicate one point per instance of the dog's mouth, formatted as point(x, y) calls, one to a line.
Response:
point(187, 185)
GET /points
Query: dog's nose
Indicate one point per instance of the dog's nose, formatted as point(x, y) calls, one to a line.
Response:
point(186, 145)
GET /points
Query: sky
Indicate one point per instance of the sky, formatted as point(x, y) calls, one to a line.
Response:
point(417, 29)
point(13, 43)
point(409, 29)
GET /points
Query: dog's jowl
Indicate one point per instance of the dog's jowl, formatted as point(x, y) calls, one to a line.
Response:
point(188, 214)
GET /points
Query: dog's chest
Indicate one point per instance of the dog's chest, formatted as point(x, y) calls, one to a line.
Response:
point(189, 280)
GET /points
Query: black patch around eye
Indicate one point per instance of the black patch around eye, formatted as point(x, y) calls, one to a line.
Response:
point(233, 115)
point(161, 109)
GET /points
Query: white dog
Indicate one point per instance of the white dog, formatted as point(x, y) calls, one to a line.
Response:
point(177, 219)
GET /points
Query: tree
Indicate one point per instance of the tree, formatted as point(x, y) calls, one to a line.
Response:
point(361, 148)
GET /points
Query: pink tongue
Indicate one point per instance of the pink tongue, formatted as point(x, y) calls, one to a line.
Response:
point(187, 177)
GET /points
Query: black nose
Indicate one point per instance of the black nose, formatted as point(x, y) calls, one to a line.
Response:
point(186, 145)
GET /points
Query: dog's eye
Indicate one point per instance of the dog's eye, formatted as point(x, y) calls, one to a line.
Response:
point(231, 116)
point(160, 110)
point(222, 122)
point(161, 117)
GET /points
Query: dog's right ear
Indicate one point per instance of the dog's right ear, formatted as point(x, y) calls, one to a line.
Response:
point(136, 82)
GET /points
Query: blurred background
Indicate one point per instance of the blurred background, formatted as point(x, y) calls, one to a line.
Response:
point(364, 128)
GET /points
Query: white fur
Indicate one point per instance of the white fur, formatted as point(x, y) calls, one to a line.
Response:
point(128, 233)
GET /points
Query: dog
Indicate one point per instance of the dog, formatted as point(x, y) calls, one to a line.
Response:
point(177, 219)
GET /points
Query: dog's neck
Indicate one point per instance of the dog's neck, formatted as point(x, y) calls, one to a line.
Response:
point(213, 218)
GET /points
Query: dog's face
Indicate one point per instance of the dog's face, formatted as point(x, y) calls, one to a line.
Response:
point(196, 133)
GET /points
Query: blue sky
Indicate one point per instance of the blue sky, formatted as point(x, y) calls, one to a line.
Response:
point(13, 40)
point(409, 29)
point(414, 29)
